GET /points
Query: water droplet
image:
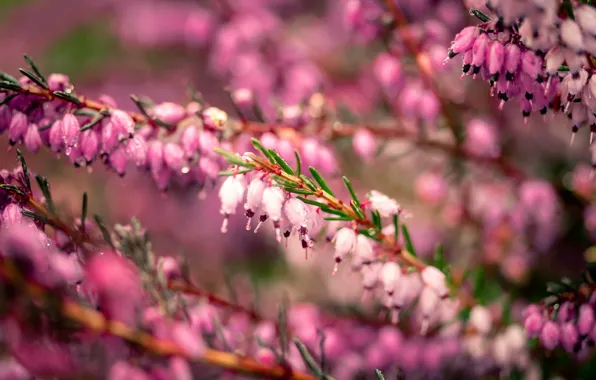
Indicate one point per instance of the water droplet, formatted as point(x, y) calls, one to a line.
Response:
point(185, 170)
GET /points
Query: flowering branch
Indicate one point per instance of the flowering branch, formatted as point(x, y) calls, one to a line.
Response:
point(95, 321)
point(174, 117)
point(300, 184)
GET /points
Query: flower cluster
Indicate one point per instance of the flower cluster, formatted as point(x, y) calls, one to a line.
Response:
point(541, 53)
point(565, 319)
point(72, 262)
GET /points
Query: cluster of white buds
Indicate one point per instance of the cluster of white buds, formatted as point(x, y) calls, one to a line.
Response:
point(288, 214)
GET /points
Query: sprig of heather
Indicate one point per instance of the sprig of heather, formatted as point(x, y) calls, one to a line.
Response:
point(477, 325)
point(299, 204)
point(174, 143)
point(565, 318)
point(540, 53)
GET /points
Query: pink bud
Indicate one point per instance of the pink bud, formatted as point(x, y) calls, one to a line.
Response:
point(391, 340)
point(155, 154)
point(286, 150)
point(482, 138)
point(430, 107)
point(169, 112)
point(89, 144)
point(496, 57)
point(364, 144)
point(533, 324)
point(266, 332)
point(243, 98)
point(136, 150)
point(180, 369)
point(464, 40)
point(118, 161)
point(480, 50)
point(207, 141)
point(326, 160)
point(512, 59)
point(71, 130)
point(123, 124)
point(531, 64)
point(11, 215)
point(550, 335)
point(108, 101)
point(214, 118)
point(269, 140)
point(387, 70)
point(190, 141)
point(309, 152)
point(18, 127)
point(188, 340)
point(569, 337)
point(58, 82)
point(585, 321)
point(109, 137)
point(117, 283)
point(265, 356)
point(435, 279)
point(32, 138)
point(431, 188)
point(55, 139)
point(173, 156)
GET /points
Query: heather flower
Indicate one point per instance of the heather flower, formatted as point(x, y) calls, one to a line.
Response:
point(272, 203)
point(230, 195)
point(17, 128)
point(116, 282)
point(189, 141)
point(480, 319)
point(345, 242)
point(550, 335)
point(32, 139)
point(254, 197)
point(383, 204)
point(214, 118)
point(390, 275)
point(71, 130)
point(169, 112)
point(173, 157)
point(309, 150)
point(187, 339)
point(364, 144)
point(435, 279)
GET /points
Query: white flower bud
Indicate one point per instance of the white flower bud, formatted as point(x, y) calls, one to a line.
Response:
point(231, 194)
point(254, 195)
point(571, 35)
point(386, 206)
point(390, 275)
point(436, 280)
point(273, 199)
point(296, 212)
point(345, 241)
point(481, 319)
point(364, 249)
